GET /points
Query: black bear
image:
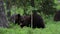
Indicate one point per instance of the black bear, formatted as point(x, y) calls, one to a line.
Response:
point(57, 16)
point(37, 21)
point(16, 18)
point(25, 21)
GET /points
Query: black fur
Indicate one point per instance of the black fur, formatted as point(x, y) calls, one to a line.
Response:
point(37, 21)
point(16, 18)
point(57, 16)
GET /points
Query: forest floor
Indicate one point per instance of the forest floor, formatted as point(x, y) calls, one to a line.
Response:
point(52, 27)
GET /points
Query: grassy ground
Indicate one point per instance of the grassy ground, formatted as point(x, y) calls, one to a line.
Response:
point(52, 27)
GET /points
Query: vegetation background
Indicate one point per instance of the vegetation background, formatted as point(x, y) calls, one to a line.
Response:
point(23, 7)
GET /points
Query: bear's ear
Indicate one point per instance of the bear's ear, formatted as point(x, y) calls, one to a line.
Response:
point(19, 15)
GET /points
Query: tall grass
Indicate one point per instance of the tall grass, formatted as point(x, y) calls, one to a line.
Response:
point(52, 27)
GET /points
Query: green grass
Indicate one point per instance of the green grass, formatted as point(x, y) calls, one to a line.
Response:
point(52, 27)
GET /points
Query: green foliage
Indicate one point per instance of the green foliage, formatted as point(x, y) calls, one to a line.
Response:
point(15, 10)
point(52, 27)
point(47, 7)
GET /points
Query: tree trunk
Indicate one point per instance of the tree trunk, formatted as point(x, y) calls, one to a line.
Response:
point(24, 4)
point(33, 5)
point(3, 19)
point(8, 3)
